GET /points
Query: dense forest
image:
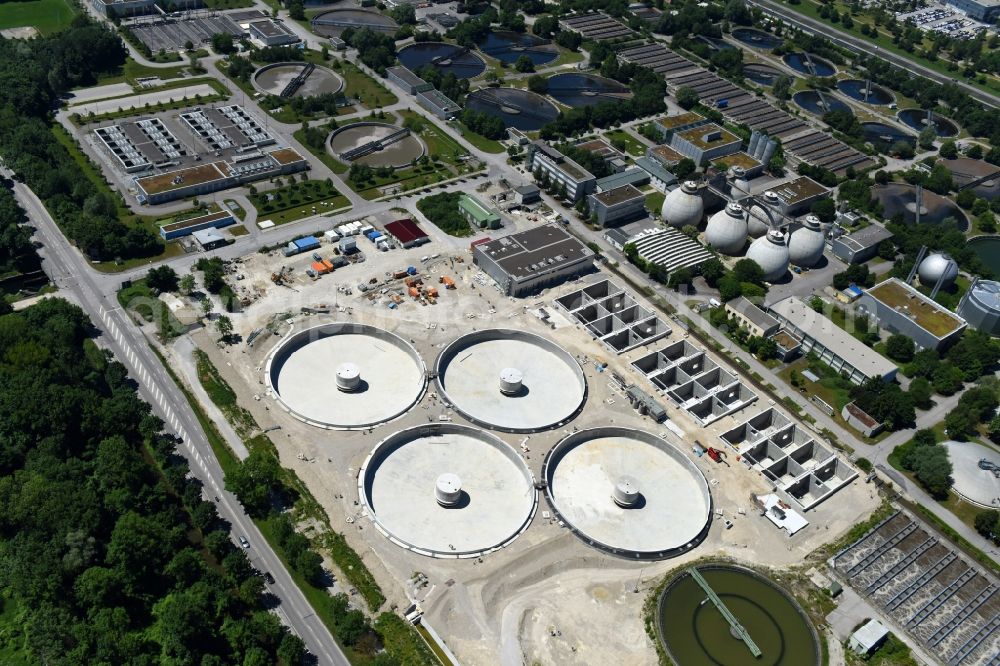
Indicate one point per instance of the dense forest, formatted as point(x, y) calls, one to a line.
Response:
point(33, 76)
point(16, 252)
point(107, 550)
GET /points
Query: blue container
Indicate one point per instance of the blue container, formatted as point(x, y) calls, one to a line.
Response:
point(410, 270)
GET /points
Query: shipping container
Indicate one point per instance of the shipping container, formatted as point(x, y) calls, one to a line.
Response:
point(320, 267)
point(414, 292)
point(328, 264)
point(432, 292)
point(412, 270)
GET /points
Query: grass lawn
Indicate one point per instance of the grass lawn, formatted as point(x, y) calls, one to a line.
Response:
point(133, 70)
point(438, 141)
point(228, 4)
point(633, 146)
point(326, 158)
point(566, 57)
point(405, 179)
point(654, 202)
point(479, 141)
point(46, 16)
point(238, 230)
point(373, 95)
point(297, 200)
point(235, 208)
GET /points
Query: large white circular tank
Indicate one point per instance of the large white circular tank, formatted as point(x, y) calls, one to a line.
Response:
point(936, 266)
point(739, 185)
point(727, 230)
point(806, 242)
point(683, 206)
point(771, 254)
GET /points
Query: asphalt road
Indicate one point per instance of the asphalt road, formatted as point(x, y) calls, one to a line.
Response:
point(69, 272)
point(858, 44)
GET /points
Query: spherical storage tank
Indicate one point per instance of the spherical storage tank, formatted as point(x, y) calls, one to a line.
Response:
point(759, 217)
point(935, 267)
point(727, 230)
point(805, 242)
point(771, 254)
point(683, 206)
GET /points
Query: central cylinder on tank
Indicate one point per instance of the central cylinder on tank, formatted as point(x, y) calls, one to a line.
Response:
point(448, 490)
point(626, 492)
point(348, 378)
point(511, 380)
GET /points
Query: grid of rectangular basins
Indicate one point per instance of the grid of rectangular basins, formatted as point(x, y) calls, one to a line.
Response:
point(948, 605)
point(613, 316)
point(694, 381)
point(789, 457)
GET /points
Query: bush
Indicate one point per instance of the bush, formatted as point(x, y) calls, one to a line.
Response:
point(900, 348)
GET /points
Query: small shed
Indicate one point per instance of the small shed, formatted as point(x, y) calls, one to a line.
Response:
point(868, 638)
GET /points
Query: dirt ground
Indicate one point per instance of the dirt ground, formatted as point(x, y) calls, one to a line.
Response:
point(547, 597)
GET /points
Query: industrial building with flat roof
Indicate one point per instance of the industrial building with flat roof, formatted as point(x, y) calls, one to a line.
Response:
point(618, 206)
point(860, 246)
point(633, 176)
point(438, 103)
point(797, 196)
point(832, 345)
point(670, 249)
point(215, 176)
point(407, 80)
point(271, 33)
point(986, 11)
point(478, 215)
point(899, 308)
point(120, 8)
point(526, 262)
point(667, 126)
point(544, 160)
point(706, 143)
point(664, 155)
point(189, 226)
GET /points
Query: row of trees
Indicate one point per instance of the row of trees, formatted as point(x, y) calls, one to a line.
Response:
point(105, 542)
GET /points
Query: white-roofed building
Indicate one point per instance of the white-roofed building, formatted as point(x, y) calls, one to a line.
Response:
point(670, 249)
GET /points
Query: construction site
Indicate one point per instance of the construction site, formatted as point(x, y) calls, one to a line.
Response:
point(501, 447)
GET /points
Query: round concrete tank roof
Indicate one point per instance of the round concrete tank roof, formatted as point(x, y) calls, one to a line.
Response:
point(727, 230)
point(546, 385)
point(298, 373)
point(806, 242)
point(771, 254)
point(447, 490)
point(666, 503)
point(683, 206)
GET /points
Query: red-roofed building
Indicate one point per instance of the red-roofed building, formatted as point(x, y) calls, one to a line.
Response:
point(407, 233)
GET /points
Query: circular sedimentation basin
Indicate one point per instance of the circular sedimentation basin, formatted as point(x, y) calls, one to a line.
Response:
point(447, 490)
point(301, 373)
point(862, 91)
point(694, 632)
point(901, 199)
point(272, 80)
point(758, 39)
point(987, 248)
point(516, 108)
point(507, 47)
point(917, 119)
point(974, 484)
point(575, 90)
point(470, 374)
point(586, 471)
point(809, 64)
point(446, 58)
point(333, 22)
point(819, 103)
point(399, 153)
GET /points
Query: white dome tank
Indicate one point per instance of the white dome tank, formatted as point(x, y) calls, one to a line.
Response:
point(727, 230)
point(806, 242)
point(936, 266)
point(759, 218)
point(683, 206)
point(771, 254)
point(739, 186)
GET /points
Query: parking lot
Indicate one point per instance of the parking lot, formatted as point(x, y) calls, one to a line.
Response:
point(945, 20)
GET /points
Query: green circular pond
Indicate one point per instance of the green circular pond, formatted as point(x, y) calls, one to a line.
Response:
point(987, 248)
point(695, 633)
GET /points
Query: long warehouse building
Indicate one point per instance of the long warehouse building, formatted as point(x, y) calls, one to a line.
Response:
point(670, 249)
